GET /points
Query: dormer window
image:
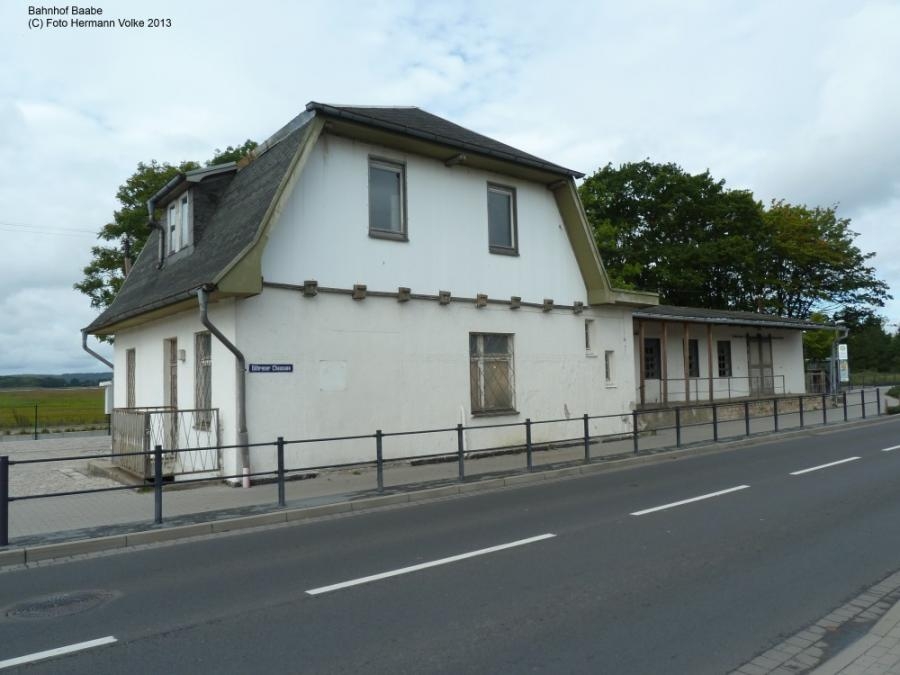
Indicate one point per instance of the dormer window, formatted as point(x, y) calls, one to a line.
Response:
point(179, 223)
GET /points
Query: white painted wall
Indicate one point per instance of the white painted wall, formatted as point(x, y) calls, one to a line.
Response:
point(377, 363)
point(787, 362)
point(323, 232)
point(148, 341)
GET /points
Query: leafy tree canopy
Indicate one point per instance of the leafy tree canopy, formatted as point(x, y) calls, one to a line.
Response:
point(104, 275)
point(699, 244)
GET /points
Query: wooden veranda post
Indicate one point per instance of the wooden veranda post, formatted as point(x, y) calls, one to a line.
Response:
point(709, 357)
point(641, 357)
point(687, 370)
point(664, 362)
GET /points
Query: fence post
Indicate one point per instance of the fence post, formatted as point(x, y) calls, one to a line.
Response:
point(460, 455)
point(280, 446)
point(634, 430)
point(775, 411)
point(800, 399)
point(528, 458)
point(4, 501)
point(862, 401)
point(877, 401)
point(747, 417)
point(677, 427)
point(587, 440)
point(845, 404)
point(824, 409)
point(35, 421)
point(379, 460)
point(715, 423)
point(157, 484)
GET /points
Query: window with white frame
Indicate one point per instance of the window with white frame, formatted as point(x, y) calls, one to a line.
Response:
point(609, 366)
point(185, 235)
point(130, 359)
point(491, 373)
point(387, 199)
point(203, 378)
point(173, 227)
point(502, 231)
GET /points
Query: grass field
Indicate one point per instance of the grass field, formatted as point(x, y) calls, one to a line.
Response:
point(56, 409)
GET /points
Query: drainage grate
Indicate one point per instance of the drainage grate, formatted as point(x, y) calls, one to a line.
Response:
point(58, 604)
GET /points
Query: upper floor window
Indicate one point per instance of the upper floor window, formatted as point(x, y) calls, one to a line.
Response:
point(387, 199)
point(185, 222)
point(179, 223)
point(502, 235)
point(173, 230)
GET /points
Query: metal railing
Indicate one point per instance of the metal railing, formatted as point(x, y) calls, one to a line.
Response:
point(193, 433)
point(645, 433)
point(36, 419)
point(690, 389)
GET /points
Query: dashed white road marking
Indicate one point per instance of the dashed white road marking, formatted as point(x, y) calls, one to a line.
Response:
point(688, 501)
point(59, 651)
point(824, 466)
point(893, 447)
point(423, 566)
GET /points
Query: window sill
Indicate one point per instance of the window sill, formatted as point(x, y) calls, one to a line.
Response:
point(502, 250)
point(611, 385)
point(591, 355)
point(387, 234)
point(494, 413)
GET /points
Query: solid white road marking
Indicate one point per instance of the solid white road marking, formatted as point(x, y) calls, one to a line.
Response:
point(423, 566)
point(59, 651)
point(893, 447)
point(824, 466)
point(688, 501)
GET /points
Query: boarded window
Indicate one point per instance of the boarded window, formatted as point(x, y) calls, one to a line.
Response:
point(130, 359)
point(203, 379)
point(491, 372)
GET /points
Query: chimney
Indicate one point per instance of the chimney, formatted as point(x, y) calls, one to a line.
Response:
point(126, 252)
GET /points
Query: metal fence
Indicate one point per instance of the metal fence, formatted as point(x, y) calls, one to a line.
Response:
point(35, 419)
point(649, 431)
point(190, 437)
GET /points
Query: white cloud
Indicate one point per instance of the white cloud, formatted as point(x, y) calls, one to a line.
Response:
point(793, 100)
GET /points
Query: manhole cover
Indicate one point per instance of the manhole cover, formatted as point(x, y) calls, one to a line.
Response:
point(58, 604)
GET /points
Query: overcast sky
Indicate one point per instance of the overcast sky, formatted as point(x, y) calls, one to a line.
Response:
point(794, 100)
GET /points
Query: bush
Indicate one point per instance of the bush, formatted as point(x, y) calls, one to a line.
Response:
point(894, 392)
point(893, 410)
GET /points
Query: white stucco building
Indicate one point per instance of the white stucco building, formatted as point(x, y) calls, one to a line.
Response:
point(383, 268)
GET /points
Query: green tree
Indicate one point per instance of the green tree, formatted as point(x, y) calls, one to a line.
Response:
point(697, 243)
point(817, 344)
point(104, 275)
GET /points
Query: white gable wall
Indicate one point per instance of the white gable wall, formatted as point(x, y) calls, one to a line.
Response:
point(322, 233)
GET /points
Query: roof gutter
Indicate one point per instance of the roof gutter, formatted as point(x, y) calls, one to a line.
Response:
point(241, 363)
point(92, 352)
point(732, 321)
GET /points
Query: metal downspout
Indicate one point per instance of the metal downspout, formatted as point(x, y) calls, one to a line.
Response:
point(92, 352)
point(203, 298)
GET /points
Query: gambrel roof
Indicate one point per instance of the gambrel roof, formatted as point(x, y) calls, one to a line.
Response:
point(226, 257)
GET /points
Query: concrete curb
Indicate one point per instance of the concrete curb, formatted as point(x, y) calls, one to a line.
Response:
point(44, 552)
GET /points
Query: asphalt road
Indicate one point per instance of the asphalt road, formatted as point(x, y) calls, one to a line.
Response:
point(699, 587)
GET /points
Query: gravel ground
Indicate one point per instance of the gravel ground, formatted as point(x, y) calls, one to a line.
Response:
point(58, 476)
